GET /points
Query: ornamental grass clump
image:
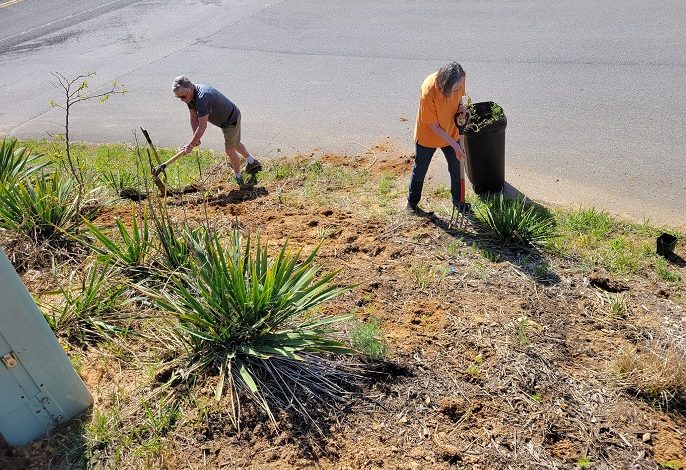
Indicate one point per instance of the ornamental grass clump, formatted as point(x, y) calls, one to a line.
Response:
point(122, 182)
point(173, 242)
point(515, 221)
point(367, 338)
point(247, 317)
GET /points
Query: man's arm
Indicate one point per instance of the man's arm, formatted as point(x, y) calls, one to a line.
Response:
point(194, 119)
point(199, 125)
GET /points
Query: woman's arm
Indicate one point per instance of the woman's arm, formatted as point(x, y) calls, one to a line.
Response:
point(440, 132)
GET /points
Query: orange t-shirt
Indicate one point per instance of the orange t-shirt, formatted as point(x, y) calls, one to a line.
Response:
point(434, 107)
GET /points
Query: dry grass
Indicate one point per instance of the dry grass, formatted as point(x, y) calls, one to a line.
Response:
point(656, 370)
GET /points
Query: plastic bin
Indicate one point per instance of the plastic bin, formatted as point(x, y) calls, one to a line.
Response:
point(665, 244)
point(39, 388)
point(486, 153)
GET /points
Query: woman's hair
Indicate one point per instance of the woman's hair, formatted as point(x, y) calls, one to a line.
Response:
point(182, 82)
point(448, 76)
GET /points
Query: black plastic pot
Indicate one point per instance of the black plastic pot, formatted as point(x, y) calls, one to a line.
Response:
point(666, 244)
point(486, 152)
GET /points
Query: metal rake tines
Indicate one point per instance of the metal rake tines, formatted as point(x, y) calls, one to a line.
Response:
point(459, 215)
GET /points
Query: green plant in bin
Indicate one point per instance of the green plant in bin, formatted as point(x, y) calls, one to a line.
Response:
point(477, 121)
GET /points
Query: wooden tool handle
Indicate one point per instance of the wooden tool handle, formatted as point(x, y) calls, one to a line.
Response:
point(462, 191)
point(173, 159)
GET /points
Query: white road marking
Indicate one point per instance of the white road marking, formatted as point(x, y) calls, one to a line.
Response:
point(10, 2)
point(52, 22)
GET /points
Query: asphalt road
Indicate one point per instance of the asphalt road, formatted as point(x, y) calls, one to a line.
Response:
point(593, 91)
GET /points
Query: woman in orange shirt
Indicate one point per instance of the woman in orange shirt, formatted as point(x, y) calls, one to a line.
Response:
point(440, 99)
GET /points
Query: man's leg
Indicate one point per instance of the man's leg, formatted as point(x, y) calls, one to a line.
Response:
point(234, 160)
point(240, 148)
point(454, 170)
point(232, 144)
point(422, 159)
point(253, 165)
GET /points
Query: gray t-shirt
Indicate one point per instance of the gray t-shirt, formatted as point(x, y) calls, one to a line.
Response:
point(208, 100)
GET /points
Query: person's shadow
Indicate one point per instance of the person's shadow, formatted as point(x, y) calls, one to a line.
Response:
point(247, 192)
point(529, 259)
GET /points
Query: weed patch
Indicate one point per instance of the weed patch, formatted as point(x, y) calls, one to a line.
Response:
point(367, 338)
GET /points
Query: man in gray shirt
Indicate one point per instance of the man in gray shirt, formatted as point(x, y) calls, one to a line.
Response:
point(207, 104)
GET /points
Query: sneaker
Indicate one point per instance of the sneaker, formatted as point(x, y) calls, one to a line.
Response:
point(239, 180)
point(253, 167)
point(414, 209)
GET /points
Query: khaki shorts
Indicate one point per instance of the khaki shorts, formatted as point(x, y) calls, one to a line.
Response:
point(232, 134)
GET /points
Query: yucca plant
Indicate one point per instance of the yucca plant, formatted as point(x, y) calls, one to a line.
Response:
point(131, 249)
point(174, 242)
point(42, 207)
point(93, 307)
point(17, 164)
point(514, 220)
point(243, 315)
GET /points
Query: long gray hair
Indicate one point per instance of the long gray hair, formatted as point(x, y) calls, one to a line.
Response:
point(448, 76)
point(182, 81)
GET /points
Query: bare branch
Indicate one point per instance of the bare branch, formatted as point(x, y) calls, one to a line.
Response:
point(74, 91)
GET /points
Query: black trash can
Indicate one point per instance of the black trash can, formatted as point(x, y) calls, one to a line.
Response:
point(485, 151)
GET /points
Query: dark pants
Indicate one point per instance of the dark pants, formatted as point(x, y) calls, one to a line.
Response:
point(422, 159)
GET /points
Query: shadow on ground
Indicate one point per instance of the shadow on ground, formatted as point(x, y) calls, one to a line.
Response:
point(63, 449)
point(237, 196)
point(528, 259)
point(676, 260)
